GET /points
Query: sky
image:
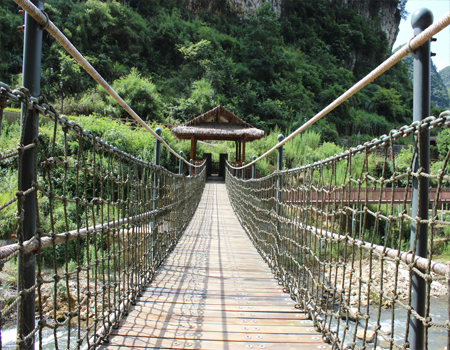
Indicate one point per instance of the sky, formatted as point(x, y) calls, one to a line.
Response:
point(442, 46)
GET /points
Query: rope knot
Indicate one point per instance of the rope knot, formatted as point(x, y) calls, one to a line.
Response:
point(20, 149)
point(20, 196)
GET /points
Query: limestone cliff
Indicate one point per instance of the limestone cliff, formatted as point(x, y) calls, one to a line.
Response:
point(243, 7)
point(249, 6)
point(387, 12)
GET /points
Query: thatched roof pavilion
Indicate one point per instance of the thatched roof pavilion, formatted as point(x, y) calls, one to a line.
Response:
point(218, 124)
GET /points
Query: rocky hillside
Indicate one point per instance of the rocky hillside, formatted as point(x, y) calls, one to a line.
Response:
point(242, 7)
point(439, 92)
point(386, 12)
point(445, 75)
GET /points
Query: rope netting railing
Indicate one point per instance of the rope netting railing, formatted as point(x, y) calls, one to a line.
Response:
point(350, 264)
point(105, 221)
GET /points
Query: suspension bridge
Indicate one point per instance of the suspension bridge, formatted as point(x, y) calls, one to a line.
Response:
point(296, 259)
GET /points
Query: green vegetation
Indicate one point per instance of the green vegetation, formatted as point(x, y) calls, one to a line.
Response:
point(137, 142)
point(274, 72)
point(445, 75)
point(439, 92)
point(270, 71)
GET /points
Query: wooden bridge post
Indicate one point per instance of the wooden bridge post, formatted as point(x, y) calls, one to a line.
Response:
point(190, 168)
point(254, 168)
point(243, 171)
point(420, 20)
point(27, 262)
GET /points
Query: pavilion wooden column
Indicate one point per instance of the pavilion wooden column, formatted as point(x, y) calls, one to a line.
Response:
point(193, 147)
point(237, 151)
point(243, 151)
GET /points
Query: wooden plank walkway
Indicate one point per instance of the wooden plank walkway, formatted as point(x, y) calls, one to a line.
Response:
point(214, 291)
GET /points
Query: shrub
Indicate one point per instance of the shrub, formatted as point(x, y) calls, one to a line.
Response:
point(140, 94)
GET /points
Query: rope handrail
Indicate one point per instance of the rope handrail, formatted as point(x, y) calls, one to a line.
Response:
point(414, 128)
point(414, 44)
point(48, 25)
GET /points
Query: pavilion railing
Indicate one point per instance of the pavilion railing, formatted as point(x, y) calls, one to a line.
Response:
point(105, 221)
point(348, 262)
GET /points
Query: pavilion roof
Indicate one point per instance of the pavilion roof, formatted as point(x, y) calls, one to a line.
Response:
point(218, 124)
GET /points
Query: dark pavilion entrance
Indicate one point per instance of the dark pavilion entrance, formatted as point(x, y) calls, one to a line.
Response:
point(218, 124)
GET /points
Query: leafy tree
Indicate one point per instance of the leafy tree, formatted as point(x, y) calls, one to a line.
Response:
point(10, 41)
point(389, 104)
point(140, 94)
point(198, 103)
point(261, 43)
point(443, 143)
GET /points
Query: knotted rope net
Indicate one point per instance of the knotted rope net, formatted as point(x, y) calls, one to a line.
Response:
point(105, 222)
point(337, 235)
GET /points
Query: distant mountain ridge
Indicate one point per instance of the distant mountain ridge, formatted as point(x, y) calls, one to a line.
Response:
point(445, 75)
point(439, 90)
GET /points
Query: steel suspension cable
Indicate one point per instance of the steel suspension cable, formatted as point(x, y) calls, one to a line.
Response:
point(48, 25)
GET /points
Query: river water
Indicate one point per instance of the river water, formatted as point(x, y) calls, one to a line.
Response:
point(48, 343)
point(437, 337)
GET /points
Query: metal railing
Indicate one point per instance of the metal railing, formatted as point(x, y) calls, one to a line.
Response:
point(105, 221)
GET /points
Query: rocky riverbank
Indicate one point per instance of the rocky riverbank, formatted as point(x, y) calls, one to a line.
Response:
point(381, 279)
point(58, 304)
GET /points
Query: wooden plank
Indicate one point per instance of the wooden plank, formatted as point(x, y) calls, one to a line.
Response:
point(214, 291)
point(303, 326)
point(218, 321)
point(173, 343)
point(206, 345)
point(142, 311)
point(223, 306)
point(219, 334)
point(196, 290)
point(231, 301)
